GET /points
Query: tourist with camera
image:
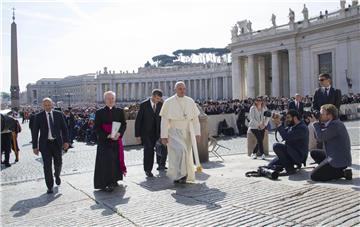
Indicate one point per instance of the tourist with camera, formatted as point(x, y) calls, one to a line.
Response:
point(336, 157)
point(257, 125)
point(296, 137)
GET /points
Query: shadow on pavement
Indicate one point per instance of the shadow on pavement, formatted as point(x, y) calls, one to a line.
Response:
point(198, 194)
point(213, 165)
point(109, 200)
point(23, 207)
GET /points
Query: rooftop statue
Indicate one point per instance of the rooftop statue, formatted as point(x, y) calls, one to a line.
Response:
point(273, 20)
point(291, 16)
point(305, 12)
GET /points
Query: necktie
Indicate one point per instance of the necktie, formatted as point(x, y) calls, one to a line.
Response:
point(52, 129)
point(297, 105)
point(326, 91)
point(154, 107)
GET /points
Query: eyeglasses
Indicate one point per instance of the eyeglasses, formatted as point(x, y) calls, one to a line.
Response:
point(322, 79)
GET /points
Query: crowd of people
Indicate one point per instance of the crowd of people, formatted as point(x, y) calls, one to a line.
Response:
point(81, 124)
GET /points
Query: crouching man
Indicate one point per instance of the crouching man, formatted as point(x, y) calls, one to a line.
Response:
point(336, 157)
point(295, 150)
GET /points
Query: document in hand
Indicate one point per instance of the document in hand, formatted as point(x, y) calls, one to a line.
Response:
point(115, 128)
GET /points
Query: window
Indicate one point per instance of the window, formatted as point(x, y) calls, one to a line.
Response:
point(325, 63)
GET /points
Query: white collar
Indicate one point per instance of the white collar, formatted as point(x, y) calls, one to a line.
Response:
point(51, 112)
point(327, 123)
point(327, 87)
point(151, 102)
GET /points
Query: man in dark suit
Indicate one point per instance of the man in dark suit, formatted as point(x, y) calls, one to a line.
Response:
point(295, 149)
point(147, 130)
point(53, 137)
point(336, 157)
point(297, 105)
point(70, 122)
point(326, 94)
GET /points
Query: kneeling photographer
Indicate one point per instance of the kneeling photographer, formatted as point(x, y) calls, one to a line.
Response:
point(336, 157)
point(296, 137)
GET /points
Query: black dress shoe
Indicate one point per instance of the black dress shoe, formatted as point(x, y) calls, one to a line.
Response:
point(348, 174)
point(7, 165)
point(149, 174)
point(109, 189)
point(50, 191)
point(57, 181)
point(115, 184)
point(16, 160)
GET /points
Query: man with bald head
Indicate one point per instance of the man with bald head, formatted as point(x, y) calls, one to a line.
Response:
point(180, 128)
point(53, 138)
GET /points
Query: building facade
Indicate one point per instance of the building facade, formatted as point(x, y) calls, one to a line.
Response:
point(69, 90)
point(203, 82)
point(287, 59)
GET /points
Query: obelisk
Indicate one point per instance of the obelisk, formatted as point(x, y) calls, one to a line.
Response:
point(14, 88)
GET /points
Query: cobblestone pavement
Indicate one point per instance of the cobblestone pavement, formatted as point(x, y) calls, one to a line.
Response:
point(221, 195)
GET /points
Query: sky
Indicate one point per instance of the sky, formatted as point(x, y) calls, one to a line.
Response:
point(58, 38)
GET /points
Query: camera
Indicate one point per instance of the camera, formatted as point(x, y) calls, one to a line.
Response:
point(264, 171)
point(7, 123)
point(308, 114)
point(268, 113)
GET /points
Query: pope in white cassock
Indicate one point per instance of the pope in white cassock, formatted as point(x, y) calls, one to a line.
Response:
point(180, 128)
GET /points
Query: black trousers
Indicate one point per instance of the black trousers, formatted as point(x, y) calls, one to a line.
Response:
point(6, 146)
point(324, 171)
point(259, 134)
point(53, 152)
point(241, 126)
point(283, 159)
point(149, 151)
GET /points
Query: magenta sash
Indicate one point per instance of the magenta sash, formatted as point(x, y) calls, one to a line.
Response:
point(107, 129)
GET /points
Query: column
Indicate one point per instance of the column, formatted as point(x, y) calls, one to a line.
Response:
point(306, 72)
point(133, 91)
point(195, 89)
point(225, 88)
point(206, 90)
point(216, 87)
point(127, 93)
point(275, 74)
point(236, 77)
point(98, 93)
point(262, 81)
point(189, 89)
point(146, 89)
point(201, 89)
point(293, 71)
point(250, 77)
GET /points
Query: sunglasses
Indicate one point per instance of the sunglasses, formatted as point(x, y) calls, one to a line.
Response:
point(322, 79)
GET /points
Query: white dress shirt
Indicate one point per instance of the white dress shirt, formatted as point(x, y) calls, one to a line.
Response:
point(50, 136)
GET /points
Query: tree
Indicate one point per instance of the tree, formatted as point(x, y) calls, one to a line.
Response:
point(5, 95)
point(163, 59)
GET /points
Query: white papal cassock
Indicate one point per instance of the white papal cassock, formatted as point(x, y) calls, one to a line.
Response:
point(178, 114)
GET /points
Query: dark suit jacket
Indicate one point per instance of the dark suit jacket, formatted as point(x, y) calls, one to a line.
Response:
point(337, 143)
point(147, 121)
point(292, 106)
point(41, 124)
point(297, 141)
point(320, 98)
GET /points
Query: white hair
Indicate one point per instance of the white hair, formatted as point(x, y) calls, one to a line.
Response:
point(109, 93)
point(179, 83)
point(47, 99)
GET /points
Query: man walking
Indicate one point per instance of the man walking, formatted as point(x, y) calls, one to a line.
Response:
point(147, 131)
point(53, 137)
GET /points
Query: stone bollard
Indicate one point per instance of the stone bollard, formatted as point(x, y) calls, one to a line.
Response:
point(203, 144)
